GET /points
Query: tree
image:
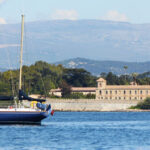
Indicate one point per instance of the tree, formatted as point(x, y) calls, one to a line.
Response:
point(134, 75)
point(103, 75)
point(125, 68)
point(142, 105)
point(65, 90)
point(112, 79)
point(79, 78)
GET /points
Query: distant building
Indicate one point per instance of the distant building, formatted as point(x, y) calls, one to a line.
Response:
point(121, 92)
point(111, 92)
point(83, 90)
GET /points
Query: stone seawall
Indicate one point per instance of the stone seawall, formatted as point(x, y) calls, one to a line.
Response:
point(91, 104)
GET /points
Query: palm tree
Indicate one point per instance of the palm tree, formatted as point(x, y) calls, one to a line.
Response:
point(134, 75)
point(125, 68)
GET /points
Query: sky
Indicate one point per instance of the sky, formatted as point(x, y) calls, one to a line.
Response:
point(133, 11)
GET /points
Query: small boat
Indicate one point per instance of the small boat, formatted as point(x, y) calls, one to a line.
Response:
point(18, 113)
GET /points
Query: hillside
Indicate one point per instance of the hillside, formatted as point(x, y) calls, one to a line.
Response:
point(97, 67)
point(58, 40)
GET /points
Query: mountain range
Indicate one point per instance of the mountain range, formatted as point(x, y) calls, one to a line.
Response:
point(98, 67)
point(57, 40)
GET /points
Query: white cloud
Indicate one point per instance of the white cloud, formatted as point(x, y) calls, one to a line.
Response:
point(8, 45)
point(64, 14)
point(1, 1)
point(2, 21)
point(114, 15)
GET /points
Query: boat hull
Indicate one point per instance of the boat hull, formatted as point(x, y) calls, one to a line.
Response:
point(22, 117)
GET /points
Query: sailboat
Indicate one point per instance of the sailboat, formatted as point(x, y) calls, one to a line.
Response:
point(19, 114)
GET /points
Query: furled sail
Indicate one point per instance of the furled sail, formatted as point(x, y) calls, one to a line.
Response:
point(6, 98)
point(23, 96)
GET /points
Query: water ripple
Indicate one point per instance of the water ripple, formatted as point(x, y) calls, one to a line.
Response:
point(82, 131)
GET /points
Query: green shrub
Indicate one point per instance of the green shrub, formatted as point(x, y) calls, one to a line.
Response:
point(142, 105)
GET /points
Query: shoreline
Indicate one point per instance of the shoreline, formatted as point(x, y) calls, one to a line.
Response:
point(92, 105)
point(129, 110)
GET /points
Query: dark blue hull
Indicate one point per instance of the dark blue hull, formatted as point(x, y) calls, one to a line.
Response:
point(20, 117)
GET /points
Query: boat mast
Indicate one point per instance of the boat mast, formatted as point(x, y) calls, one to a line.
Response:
point(21, 52)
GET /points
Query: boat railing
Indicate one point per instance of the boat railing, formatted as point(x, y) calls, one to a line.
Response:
point(6, 104)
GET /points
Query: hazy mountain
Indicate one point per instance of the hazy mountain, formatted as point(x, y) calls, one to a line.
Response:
point(2, 69)
point(58, 40)
point(97, 67)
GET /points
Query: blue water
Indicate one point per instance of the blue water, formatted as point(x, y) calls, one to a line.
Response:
point(81, 131)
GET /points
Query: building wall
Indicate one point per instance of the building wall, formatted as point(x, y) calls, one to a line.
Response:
point(55, 93)
point(112, 92)
point(84, 92)
point(123, 92)
point(90, 105)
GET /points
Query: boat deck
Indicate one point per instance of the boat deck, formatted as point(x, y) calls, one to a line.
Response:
point(20, 109)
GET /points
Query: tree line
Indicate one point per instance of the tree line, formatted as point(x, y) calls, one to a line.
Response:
point(40, 77)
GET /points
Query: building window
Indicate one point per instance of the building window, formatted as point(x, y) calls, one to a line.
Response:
point(101, 97)
point(100, 92)
point(147, 92)
point(135, 92)
point(115, 97)
point(141, 98)
point(116, 92)
point(110, 97)
point(141, 92)
point(119, 97)
point(124, 98)
point(135, 98)
point(100, 84)
point(130, 98)
point(124, 92)
point(106, 92)
point(130, 92)
point(110, 92)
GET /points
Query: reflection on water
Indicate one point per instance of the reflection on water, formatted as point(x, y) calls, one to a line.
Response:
point(81, 130)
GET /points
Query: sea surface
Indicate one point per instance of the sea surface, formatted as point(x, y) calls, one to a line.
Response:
point(81, 131)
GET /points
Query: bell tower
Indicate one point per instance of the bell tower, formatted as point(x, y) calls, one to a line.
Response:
point(101, 83)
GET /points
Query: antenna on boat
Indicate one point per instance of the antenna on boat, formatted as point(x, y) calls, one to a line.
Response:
point(21, 52)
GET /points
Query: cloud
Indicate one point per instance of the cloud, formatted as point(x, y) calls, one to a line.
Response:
point(1, 1)
point(8, 45)
point(2, 21)
point(114, 15)
point(64, 14)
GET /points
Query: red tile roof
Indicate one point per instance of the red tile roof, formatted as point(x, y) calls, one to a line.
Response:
point(77, 89)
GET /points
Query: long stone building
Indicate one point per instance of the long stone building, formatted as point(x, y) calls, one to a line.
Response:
point(121, 92)
point(83, 90)
point(111, 92)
